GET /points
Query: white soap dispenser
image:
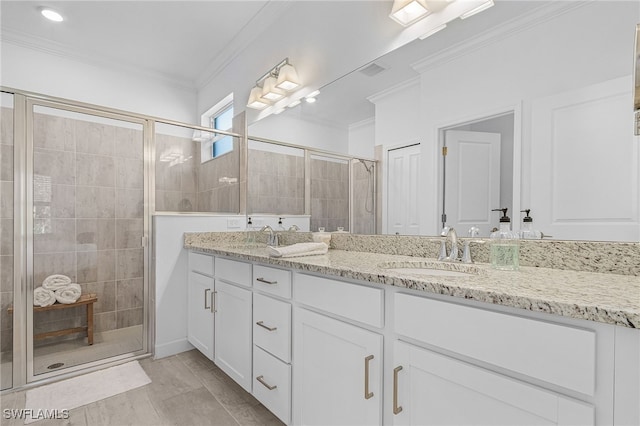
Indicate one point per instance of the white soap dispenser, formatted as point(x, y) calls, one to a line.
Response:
point(504, 252)
point(527, 232)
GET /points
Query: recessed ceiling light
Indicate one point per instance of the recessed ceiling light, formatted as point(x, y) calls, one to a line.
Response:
point(51, 14)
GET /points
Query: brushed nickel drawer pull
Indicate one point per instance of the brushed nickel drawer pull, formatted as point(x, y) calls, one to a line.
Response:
point(367, 394)
point(265, 384)
point(213, 301)
point(261, 324)
point(396, 408)
point(262, 280)
point(206, 298)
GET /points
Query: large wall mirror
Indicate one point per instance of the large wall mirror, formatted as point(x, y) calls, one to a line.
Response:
point(533, 101)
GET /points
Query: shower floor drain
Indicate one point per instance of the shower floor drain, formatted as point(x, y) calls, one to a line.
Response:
point(56, 365)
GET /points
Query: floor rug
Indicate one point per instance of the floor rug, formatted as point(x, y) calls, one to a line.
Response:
point(56, 399)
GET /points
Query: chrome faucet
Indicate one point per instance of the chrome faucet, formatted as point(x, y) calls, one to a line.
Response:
point(293, 228)
point(449, 233)
point(273, 238)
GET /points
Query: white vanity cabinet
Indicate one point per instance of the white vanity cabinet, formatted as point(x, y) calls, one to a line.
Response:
point(434, 389)
point(337, 365)
point(272, 339)
point(200, 315)
point(233, 313)
point(431, 388)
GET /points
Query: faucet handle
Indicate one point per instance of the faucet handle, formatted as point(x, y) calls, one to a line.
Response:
point(466, 253)
point(443, 250)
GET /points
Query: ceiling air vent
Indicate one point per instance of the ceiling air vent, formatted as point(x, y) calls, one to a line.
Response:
point(372, 69)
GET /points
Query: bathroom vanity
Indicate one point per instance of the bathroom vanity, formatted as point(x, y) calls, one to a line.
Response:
point(355, 337)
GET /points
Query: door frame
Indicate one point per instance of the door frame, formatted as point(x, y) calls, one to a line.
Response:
point(494, 112)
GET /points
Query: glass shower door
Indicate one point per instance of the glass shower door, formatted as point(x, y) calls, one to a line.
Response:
point(87, 255)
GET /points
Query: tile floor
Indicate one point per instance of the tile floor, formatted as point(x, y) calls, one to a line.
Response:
point(186, 389)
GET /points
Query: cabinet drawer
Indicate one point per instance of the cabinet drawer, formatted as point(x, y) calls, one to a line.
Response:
point(202, 263)
point(272, 280)
point(558, 354)
point(272, 384)
point(272, 326)
point(356, 302)
point(233, 271)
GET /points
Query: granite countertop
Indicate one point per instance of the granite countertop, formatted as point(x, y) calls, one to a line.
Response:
point(601, 297)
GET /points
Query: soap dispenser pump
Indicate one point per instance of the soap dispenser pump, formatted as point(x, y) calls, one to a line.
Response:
point(504, 252)
point(527, 232)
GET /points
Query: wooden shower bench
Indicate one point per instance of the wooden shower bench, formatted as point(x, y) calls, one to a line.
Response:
point(86, 299)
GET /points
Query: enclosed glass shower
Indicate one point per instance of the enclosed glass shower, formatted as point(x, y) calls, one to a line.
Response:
point(74, 238)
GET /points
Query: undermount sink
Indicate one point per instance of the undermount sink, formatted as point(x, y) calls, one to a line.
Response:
point(433, 269)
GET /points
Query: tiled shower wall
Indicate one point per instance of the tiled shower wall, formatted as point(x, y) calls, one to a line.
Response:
point(329, 194)
point(183, 184)
point(88, 223)
point(363, 205)
point(6, 229)
point(215, 192)
point(276, 183)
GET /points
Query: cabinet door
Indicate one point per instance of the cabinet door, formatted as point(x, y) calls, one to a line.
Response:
point(337, 372)
point(233, 332)
point(200, 316)
point(432, 389)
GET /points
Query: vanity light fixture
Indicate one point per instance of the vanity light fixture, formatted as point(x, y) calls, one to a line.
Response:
point(255, 99)
point(274, 85)
point(51, 14)
point(482, 7)
point(269, 90)
point(288, 78)
point(407, 12)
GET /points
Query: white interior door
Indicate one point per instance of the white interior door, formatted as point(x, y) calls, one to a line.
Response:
point(402, 190)
point(472, 180)
point(574, 193)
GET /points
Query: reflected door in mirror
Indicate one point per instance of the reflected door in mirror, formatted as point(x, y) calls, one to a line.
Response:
point(403, 191)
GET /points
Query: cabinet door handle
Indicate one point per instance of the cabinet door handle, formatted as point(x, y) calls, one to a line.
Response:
point(396, 409)
point(262, 280)
point(265, 384)
point(261, 324)
point(206, 298)
point(367, 394)
point(213, 301)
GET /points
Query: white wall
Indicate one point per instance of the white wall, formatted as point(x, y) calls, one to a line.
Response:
point(36, 71)
point(290, 129)
point(563, 51)
point(362, 138)
point(171, 273)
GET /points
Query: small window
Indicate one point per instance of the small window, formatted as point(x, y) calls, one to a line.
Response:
point(222, 144)
point(219, 117)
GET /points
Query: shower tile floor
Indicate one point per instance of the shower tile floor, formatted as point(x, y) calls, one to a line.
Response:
point(75, 352)
point(186, 389)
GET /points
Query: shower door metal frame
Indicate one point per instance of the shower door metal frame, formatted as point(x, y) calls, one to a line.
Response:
point(27, 281)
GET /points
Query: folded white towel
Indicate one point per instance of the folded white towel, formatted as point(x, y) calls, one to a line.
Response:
point(68, 294)
point(299, 249)
point(43, 297)
point(56, 281)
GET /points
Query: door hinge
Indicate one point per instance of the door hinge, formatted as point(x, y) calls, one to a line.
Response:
point(444, 151)
point(444, 218)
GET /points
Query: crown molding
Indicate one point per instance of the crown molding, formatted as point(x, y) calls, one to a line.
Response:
point(50, 47)
point(505, 30)
point(362, 123)
point(393, 89)
point(246, 35)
